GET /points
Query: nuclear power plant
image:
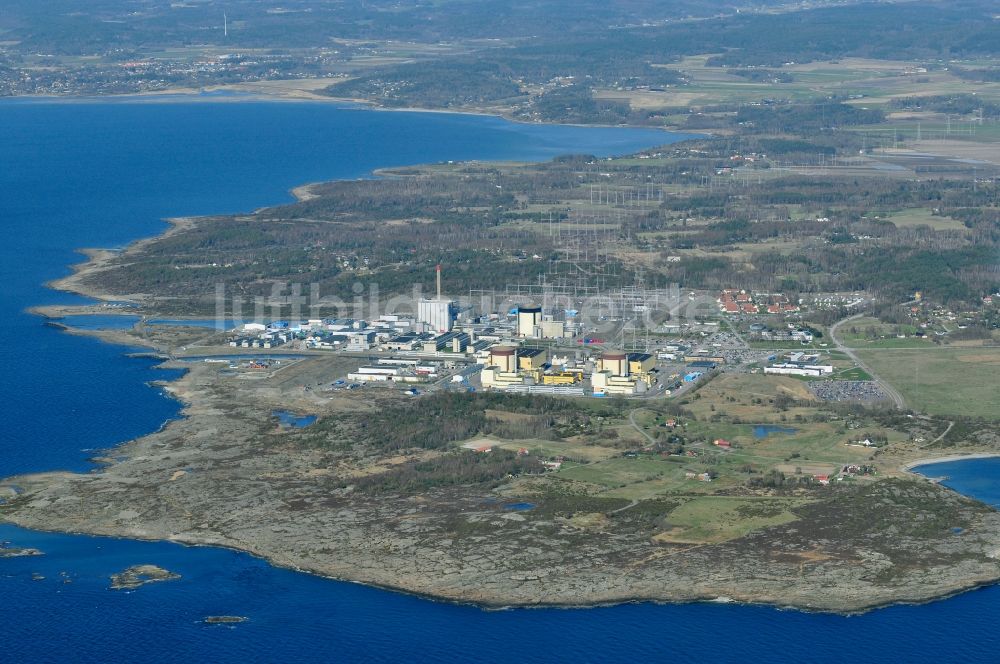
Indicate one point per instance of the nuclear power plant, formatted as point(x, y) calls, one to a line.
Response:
point(518, 351)
point(531, 369)
point(539, 346)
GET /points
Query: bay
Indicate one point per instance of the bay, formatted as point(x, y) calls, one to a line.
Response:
point(104, 173)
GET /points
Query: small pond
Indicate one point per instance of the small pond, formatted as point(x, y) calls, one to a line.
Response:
point(765, 430)
point(294, 420)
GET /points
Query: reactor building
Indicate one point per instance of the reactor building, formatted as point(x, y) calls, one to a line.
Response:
point(513, 365)
point(532, 324)
point(436, 314)
point(623, 373)
point(528, 320)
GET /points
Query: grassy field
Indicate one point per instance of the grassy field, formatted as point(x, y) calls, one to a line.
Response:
point(730, 407)
point(718, 518)
point(887, 335)
point(705, 484)
point(925, 217)
point(856, 373)
point(895, 343)
point(873, 82)
point(813, 449)
point(633, 478)
point(942, 381)
point(555, 448)
point(742, 388)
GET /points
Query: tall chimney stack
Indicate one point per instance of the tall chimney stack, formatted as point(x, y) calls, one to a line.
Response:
point(439, 280)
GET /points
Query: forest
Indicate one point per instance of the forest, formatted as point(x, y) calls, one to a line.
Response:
point(390, 232)
point(754, 45)
point(532, 60)
point(96, 26)
point(440, 420)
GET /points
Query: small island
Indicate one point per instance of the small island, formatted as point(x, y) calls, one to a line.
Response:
point(140, 575)
point(8, 551)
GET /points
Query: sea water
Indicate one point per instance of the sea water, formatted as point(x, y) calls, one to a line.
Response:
point(101, 174)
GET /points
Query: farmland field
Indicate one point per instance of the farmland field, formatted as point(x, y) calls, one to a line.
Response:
point(925, 217)
point(942, 381)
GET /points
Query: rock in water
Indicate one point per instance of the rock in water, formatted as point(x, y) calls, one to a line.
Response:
point(224, 620)
point(140, 575)
point(16, 552)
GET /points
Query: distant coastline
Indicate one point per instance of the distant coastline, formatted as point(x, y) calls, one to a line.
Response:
point(910, 466)
point(300, 91)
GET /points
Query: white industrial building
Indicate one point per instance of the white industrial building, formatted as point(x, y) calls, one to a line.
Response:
point(532, 324)
point(436, 314)
point(528, 318)
point(788, 369)
point(397, 374)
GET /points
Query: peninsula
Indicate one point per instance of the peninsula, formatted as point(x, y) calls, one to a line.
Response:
point(731, 456)
point(702, 371)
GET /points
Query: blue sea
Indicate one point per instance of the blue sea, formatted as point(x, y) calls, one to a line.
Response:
point(100, 174)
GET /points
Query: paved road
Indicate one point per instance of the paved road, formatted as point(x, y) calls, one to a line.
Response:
point(886, 387)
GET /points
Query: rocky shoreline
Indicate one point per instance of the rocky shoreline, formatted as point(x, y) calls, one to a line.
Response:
point(221, 476)
point(208, 479)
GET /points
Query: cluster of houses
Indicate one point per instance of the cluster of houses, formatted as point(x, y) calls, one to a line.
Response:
point(933, 318)
point(846, 300)
point(865, 442)
point(735, 301)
